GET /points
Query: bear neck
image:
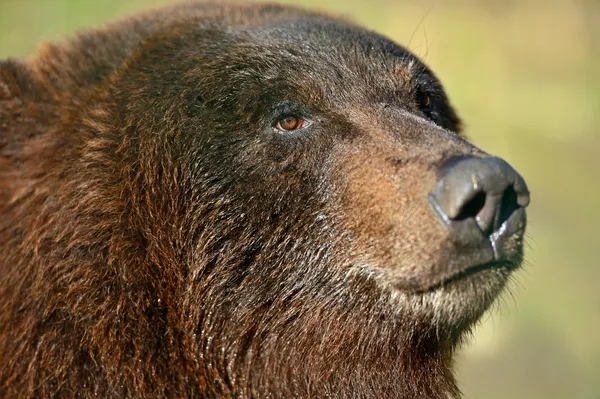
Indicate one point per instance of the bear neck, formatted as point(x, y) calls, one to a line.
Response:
point(320, 349)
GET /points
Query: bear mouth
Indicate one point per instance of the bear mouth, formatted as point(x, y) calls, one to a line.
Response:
point(479, 270)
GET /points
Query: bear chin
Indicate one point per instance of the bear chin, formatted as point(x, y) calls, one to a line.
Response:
point(454, 304)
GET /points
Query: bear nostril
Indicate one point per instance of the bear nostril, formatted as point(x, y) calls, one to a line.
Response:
point(508, 205)
point(472, 207)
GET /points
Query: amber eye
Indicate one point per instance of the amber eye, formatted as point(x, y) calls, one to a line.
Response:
point(290, 123)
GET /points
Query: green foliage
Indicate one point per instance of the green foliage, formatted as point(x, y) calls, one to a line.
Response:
point(525, 76)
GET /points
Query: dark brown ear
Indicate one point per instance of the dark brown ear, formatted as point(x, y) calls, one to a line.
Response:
point(24, 113)
point(13, 88)
point(24, 116)
point(14, 80)
point(10, 108)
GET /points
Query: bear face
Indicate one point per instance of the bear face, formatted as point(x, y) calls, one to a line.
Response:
point(242, 201)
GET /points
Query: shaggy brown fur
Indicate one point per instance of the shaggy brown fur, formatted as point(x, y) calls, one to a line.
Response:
point(160, 238)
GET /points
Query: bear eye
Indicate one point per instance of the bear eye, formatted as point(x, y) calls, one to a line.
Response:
point(290, 123)
point(423, 101)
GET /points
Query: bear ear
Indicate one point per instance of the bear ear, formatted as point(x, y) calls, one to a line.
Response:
point(19, 106)
point(14, 79)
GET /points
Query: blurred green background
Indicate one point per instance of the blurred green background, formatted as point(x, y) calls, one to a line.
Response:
point(525, 77)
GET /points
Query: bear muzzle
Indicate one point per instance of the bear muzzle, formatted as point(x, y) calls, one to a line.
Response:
point(482, 201)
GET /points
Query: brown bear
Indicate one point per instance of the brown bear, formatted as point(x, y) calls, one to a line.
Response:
point(241, 201)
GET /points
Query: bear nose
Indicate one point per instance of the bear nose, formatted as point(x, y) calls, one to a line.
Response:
point(487, 190)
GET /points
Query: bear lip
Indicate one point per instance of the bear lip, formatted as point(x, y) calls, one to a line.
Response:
point(470, 271)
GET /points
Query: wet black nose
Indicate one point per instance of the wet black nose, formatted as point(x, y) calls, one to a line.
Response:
point(487, 190)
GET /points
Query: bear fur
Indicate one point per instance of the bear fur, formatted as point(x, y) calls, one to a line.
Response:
point(161, 238)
